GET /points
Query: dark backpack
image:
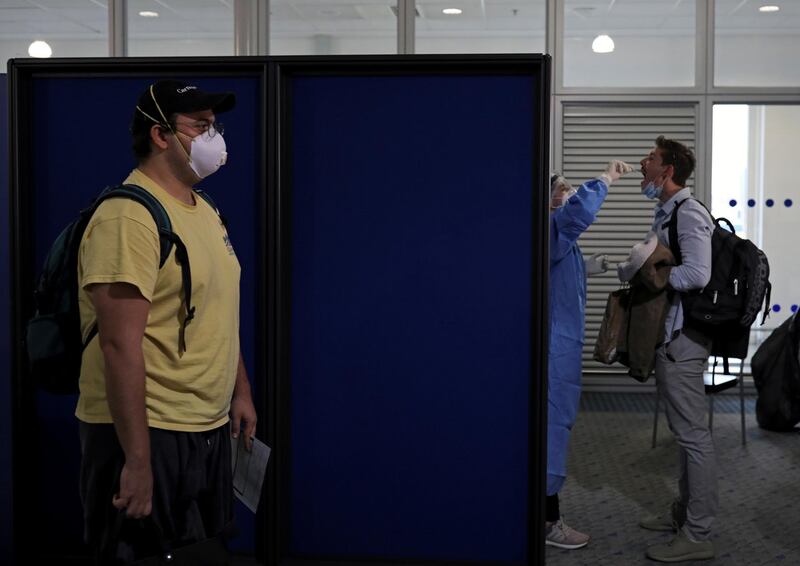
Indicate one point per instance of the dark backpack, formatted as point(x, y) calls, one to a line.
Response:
point(53, 339)
point(776, 374)
point(725, 309)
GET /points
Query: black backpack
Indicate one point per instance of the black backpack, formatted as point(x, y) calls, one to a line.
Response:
point(776, 374)
point(53, 340)
point(725, 309)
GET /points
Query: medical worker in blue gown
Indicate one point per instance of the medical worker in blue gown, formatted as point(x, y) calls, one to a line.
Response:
point(571, 213)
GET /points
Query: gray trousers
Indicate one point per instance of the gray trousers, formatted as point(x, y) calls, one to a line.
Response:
point(679, 377)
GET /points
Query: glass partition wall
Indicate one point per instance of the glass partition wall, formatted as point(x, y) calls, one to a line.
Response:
point(752, 185)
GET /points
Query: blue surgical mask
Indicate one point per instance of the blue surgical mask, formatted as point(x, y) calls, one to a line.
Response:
point(652, 191)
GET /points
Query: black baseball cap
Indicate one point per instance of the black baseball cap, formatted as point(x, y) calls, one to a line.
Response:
point(166, 97)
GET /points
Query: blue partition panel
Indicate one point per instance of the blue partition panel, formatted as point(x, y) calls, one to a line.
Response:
point(82, 144)
point(5, 339)
point(411, 265)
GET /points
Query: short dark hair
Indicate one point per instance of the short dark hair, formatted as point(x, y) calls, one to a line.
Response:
point(679, 156)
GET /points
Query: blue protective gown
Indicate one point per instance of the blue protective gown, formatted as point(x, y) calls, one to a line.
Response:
point(567, 310)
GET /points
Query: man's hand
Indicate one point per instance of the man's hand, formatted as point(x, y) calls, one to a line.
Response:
point(135, 491)
point(243, 418)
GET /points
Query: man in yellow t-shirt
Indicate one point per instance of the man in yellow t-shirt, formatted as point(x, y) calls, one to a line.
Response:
point(162, 390)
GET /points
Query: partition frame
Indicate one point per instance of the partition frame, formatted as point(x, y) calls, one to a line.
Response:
point(273, 317)
point(22, 74)
point(282, 71)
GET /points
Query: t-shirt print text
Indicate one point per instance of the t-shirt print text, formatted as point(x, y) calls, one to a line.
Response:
point(228, 244)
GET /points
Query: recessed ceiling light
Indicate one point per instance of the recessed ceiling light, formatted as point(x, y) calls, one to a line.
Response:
point(769, 8)
point(148, 14)
point(40, 49)
point(451, 11)
point(603, 44)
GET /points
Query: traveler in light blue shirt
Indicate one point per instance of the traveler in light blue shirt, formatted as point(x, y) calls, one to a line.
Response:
point(682, 357)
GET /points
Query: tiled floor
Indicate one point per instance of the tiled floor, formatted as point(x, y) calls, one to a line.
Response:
point(615, 477)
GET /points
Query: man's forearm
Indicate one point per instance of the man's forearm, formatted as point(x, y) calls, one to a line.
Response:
point(125, 390)
point(689, 277)
point(242, 386)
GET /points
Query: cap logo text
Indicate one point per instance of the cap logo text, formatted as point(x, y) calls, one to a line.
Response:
point(186, 88)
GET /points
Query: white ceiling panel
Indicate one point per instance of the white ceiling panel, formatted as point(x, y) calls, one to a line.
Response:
point(283, 12)
point(20, 14)
point(743, 16)
point(376, 11)
point(67, 19)
point(471, 10)
point(330, 11)
point(180, 19)
point(629, 17)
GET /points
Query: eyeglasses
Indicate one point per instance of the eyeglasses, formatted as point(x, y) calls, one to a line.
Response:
point(203, 126)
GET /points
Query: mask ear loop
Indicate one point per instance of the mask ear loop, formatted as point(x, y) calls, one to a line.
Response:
point(666, 177)
point(151, 118)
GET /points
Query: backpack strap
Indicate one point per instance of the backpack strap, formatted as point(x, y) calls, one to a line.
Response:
point(207, 197)
point(766, 304)
point(167, 239)
point(672, 226)
point(186, 278)
point(153, 206)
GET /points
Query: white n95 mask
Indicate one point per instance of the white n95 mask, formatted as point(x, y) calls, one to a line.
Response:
point(207, 153)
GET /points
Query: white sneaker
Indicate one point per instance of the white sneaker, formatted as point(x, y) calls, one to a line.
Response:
point(561, 535)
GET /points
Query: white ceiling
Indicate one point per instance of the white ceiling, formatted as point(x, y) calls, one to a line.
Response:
point(198, 19)
point(52, 18)
point(734, 16)
point(629, 17)
point(639, 17)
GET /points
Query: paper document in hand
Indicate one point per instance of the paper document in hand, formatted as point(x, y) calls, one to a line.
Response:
point(248, 470)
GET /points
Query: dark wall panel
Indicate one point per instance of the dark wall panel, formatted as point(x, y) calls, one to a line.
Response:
point(5, 325)
point(411, 253)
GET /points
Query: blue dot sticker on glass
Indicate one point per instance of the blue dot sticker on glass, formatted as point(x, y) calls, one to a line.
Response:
point(769, 202)
point(751, 203)
point(776, 308)
point(787, 202)
point(794, 308)
point(732, 202)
